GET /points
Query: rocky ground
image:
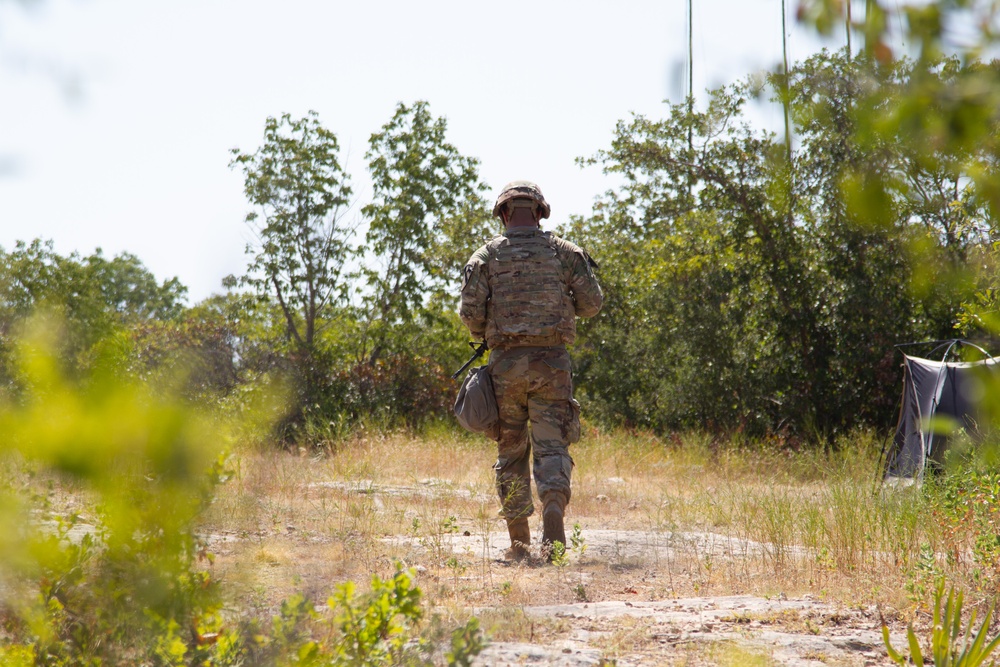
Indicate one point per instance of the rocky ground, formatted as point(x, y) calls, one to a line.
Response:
point(629, 630)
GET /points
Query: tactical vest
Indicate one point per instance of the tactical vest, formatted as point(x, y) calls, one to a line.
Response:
point(530, 303)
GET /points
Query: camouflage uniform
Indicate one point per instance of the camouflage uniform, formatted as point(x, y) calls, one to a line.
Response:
point(522, 292)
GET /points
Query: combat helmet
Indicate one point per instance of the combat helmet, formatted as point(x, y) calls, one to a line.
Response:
point(522, 190)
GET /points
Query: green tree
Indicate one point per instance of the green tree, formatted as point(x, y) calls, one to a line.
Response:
point(300, 194)
point(92, 296)
point(32, 275)
point(128, 288)
point(741, 275)
point(707, 199)
point(426, 217)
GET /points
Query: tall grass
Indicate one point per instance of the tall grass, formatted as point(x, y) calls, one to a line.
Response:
point(807, 519)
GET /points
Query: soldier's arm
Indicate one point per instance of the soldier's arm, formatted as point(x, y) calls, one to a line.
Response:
point(587, 294)
point(475, 294)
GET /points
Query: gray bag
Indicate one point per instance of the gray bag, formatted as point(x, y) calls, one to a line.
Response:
point(476, 404)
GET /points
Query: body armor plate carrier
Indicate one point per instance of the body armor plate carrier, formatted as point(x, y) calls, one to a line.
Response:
point(530, 302)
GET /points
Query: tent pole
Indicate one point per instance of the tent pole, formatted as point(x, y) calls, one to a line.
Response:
point(939, 343)
point(926, 342)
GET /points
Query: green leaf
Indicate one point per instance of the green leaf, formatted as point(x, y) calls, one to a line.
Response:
point(894, 655)
point(916, 656)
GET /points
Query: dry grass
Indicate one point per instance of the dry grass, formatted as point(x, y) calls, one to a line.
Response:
point(728, 654)
point(692, 518)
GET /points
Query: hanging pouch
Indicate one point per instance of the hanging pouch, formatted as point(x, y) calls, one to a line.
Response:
point(476, 404)
point(573, 431)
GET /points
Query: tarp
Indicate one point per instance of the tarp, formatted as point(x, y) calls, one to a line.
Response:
point(938, 397)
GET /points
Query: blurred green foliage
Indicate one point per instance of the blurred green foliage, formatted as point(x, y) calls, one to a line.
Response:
point(110, 577)
point(103, 479)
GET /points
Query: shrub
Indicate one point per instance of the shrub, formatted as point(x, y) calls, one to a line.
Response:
point(399, 390)
point(950, 644)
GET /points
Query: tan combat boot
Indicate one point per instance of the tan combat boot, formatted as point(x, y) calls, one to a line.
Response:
point(520, 538)
point(553, 529)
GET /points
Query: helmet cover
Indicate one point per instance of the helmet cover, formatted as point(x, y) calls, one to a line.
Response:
point(522, 190)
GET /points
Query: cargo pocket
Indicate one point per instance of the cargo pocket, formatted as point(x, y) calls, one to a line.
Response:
point(560, 362)
point(573, 431)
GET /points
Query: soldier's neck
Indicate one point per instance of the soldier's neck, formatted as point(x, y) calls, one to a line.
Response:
point(521, 218)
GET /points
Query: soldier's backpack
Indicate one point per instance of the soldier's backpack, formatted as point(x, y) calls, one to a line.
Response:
point(476, 404)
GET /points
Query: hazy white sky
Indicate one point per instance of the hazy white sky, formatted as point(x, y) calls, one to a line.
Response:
point(117, 116)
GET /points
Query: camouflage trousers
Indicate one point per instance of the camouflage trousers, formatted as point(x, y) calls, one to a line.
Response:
point(533, 385)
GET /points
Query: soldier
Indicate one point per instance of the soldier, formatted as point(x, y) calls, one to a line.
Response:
point(522, 292)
